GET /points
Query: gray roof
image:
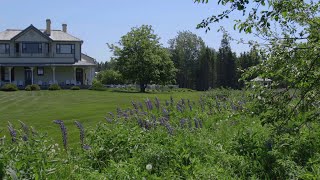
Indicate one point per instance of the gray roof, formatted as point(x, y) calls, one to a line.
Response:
point(8, 34)
point(56, 35)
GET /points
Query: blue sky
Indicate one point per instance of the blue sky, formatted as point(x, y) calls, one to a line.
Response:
point(98, 22)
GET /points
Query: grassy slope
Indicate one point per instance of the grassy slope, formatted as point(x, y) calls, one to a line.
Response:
point(39, 109)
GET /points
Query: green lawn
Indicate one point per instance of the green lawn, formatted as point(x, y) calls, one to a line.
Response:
point(39, 109)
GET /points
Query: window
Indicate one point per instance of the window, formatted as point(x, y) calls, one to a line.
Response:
point(4, 48)
point(65, 48)
point(32, 48)
point(40, 71)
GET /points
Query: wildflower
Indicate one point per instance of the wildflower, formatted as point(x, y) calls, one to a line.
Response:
point(157, 103)
point(183, 123)
point(134, 105)
point(189, 104)
point(81, 129)
point(63, 132)
point(167, 103)
point(196, 123)
point(169, 128)
point(149, 167)
point(25, 130)
point(13, 132)
point(165, 113)
point(86, 147)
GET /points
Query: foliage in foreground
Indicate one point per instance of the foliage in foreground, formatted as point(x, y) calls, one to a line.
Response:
point(215, 138)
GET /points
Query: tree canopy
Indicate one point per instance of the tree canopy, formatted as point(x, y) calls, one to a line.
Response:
point(141, 58)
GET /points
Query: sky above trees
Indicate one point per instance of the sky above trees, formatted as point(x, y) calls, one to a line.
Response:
point(98, 22)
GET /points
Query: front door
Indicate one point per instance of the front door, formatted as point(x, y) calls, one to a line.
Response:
point(79, 75)
point(28, 76)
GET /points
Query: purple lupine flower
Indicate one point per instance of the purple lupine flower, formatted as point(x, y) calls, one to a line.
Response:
point(165, 113)
point(134, 105)
point(169, 128)
point(196, 123)
point(81, 129)
point(111, 115)
point(13, 132)
point(148, 105)
point(25, 130)
point(157, 103)
point(140, 122)
point(86, 147)
point(140, 105)
point(24, 127)
point(183, 123)
point(189, 104)
point(63, 132)
point(179, 108)
point(167, 103)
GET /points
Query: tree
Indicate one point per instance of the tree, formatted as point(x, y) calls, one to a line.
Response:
point(207, 73)
point(290, 55)
point(186, 50)
point(141, 58)
point(226, 68)
point(110, 77)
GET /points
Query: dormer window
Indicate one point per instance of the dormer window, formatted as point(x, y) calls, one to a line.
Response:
point(4, 48)
point(32, 48)
point(65, 48)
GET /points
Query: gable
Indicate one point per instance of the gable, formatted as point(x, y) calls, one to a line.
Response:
point(32, 35)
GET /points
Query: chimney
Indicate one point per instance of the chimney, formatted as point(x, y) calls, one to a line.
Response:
point(48, 29)
point(64, 28)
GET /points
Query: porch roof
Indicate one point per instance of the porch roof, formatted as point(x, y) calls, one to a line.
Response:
point(45, 65)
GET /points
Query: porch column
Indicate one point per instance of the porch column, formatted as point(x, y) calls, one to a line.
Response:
point(10, 73)
point(74, 74)
point(31, 74)
point(53, 74)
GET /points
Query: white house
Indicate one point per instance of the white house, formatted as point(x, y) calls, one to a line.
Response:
point(44, 57)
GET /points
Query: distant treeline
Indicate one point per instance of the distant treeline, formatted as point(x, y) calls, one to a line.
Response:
point(201, 67)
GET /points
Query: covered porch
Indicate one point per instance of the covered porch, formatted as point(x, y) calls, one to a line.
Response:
point(45, 75)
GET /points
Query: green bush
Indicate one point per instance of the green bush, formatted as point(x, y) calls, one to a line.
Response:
point(33, 87)
point(75, 88)
point(97, 86)
point(9, 87)
point(54, 87)
point(110, 77)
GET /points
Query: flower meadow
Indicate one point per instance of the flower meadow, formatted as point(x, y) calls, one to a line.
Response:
point(217, 137)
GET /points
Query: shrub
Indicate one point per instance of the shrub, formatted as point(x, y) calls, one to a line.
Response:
point(54, 87)
point(110, 77)
point(75, 88)
point(9, 87)
point(97, 86)
point(33, 87)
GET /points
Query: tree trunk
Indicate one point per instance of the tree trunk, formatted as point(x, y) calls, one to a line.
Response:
point(143, 87)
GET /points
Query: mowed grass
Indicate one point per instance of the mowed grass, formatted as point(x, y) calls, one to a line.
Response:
point(40, 108)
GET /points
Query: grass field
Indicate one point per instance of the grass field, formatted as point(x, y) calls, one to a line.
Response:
point(40, 108)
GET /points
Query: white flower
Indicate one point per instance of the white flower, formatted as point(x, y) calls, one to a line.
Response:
point(149, 167)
